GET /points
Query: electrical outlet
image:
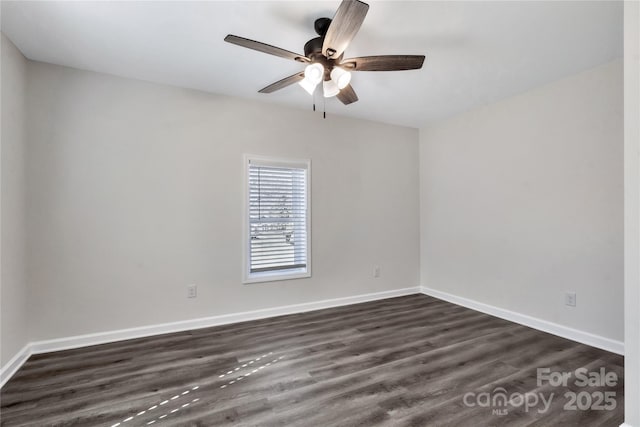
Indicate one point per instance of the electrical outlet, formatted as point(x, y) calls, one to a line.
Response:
point(570, 299)
point(192, 291)
point(376, 271)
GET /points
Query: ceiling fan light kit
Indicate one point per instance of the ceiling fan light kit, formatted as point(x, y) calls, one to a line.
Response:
point(341, 77)
point(313, 75)
point(307, 85)
point(324, 55)
point(330, 88)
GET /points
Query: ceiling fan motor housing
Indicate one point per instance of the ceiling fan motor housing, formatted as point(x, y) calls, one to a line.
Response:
point(313, 48)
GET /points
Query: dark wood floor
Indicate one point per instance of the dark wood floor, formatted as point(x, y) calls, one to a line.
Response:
point(408, 361)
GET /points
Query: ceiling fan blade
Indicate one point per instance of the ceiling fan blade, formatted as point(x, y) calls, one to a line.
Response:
point(266, 48)
point(343, 27)
point(347, 95)
point(384, 63)
point(283, 83)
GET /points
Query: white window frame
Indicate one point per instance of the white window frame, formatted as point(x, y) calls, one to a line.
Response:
point(270, 276)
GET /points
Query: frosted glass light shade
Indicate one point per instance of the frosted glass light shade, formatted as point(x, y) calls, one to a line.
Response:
point(307, 85)
point(341, 77)
point(314, 73)
point(330, 88)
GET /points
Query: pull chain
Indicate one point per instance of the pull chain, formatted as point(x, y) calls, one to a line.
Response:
point(324, 107)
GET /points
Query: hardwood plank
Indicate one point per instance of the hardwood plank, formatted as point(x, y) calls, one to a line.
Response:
point(406, 361)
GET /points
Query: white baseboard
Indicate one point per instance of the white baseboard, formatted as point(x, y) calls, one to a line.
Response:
point(12, 366)
point(532, 322)
point(625, 425)
point(185, 325)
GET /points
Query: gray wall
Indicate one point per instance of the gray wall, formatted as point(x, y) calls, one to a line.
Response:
point(522, 200)
point(13, 285)
point(632, 212)
point(135, 191)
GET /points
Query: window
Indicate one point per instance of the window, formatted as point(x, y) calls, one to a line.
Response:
point(277, 219)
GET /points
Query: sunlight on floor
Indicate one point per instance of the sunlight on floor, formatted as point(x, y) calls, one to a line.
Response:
point(250, 367)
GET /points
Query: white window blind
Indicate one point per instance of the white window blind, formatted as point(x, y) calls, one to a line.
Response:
point(278, 220)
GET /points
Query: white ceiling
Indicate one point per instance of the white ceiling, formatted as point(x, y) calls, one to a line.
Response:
point(477, 52)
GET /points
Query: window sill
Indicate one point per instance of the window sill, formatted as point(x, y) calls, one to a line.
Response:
point(273, 276)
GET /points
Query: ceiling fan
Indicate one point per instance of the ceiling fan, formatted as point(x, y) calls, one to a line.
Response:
point(324, 55)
